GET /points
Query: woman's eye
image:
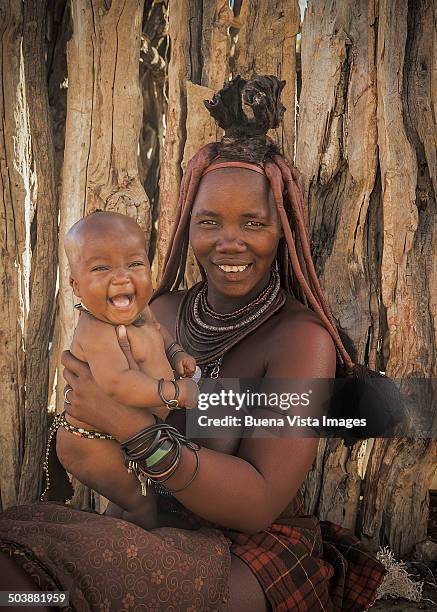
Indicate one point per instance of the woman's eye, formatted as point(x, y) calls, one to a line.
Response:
point(254, 224)
point(207, 222)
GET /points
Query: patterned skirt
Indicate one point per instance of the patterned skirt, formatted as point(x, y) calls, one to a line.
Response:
point(108, 564)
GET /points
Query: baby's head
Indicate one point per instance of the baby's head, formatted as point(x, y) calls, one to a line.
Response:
point(109, 268)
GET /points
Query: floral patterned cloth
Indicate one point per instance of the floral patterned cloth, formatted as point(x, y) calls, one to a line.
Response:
point(110, 565)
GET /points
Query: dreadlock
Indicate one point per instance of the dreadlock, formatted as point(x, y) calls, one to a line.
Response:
point(246, 110)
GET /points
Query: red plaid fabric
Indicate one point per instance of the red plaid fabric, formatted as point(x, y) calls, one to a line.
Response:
point(314, 567)
point(304, 564)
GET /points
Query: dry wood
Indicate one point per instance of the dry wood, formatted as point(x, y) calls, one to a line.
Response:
point(199, 56)
point(178, 73)
point(374, 262)
point(104, 113)
point(13, 243)
point(29, 243)
point(43, 243)
point(337, 155)
point(396, 488)
point(267, 45)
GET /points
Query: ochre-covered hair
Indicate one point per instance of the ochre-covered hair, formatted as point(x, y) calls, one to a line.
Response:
point(246, 110)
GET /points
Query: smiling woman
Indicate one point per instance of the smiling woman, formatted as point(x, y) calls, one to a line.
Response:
point(231, 532)
point(235, 234)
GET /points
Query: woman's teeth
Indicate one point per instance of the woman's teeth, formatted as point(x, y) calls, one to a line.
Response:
point(233, 268)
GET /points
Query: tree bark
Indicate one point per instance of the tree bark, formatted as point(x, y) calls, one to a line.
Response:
point(337, 155)
point(29, 244)
point(104, 114)
point(360, 139)
point(198, 31)
point(396, 500)
point(267, 45)
point(13, 240)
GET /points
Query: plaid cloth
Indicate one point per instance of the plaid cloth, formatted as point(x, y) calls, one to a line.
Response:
point(304, 564)
point(311, 569)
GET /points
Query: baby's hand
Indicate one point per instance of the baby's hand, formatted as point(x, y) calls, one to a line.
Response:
point(188, 392)
point(184, 365)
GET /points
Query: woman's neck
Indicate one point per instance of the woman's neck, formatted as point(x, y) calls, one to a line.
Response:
point(225, 304)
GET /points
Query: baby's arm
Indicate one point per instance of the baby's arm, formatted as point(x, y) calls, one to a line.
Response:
point(182, 363)
point(111, 370)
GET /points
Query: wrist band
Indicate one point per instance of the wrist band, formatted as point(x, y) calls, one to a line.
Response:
point(166, 440)
point(173, 403)
point(196, 470)
point(172, 345)
point(160, 453)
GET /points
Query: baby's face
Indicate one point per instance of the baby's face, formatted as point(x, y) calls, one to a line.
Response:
point(112, 275)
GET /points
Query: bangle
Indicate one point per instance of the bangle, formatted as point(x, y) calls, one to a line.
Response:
point(160, 453)
point(138, 435)
point(173, 403)
point(169, 470)
point(186, 485)
point(134, 446)
point(173, 349)
point(172, 345)
point(175, 352)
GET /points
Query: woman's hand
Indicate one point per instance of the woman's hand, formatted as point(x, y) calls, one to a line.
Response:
point(87, 402)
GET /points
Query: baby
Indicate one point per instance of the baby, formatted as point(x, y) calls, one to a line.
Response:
point(110, 273)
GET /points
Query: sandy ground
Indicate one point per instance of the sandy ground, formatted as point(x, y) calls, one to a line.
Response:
point(402, 605)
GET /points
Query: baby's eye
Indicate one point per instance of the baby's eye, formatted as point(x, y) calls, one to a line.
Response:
point(99, 269)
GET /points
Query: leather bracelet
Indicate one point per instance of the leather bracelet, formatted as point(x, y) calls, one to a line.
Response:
point(135, 437)
point(186, 485)
point(173, 403)
point(160, 453)
point(172, 345)
point(175, 352)
point(168, 471)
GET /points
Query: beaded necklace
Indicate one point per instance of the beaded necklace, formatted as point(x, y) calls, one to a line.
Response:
point(139, 321)
point(209, 343)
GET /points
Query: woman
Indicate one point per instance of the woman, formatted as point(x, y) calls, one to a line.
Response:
point(232, 535)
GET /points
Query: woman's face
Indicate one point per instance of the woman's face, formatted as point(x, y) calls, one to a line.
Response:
point(234, 232)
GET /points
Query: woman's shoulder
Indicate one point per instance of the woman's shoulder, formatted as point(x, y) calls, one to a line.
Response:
point(166, 306)
point(299, 334)
point(295, 315)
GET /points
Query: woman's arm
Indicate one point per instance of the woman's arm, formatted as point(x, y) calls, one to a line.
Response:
point(245, 492)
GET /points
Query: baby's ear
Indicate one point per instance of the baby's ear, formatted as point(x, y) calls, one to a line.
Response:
point(75, 286)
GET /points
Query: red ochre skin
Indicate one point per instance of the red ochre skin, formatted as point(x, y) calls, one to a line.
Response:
point(260, 478)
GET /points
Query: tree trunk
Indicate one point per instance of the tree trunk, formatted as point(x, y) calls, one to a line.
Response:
point(29, 244)
point(198, 31)
point(267, 45)
point(358, 157)
point(153, 73)
point(104, 114)
point(200, 65)
point(396, 500)
point(13, 239)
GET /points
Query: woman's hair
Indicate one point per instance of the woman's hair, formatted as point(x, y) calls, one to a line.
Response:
point(246, 110)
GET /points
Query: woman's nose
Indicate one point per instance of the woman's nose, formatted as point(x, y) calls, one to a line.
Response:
point(230, 243)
